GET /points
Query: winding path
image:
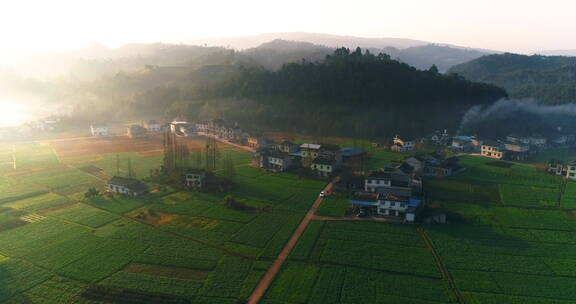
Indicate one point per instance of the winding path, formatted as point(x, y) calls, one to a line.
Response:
point(269, 276)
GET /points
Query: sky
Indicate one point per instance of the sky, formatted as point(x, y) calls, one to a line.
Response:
point(506, 25)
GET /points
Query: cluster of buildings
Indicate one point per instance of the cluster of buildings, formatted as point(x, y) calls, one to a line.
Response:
point(396, 190)
point(513, 147)
point(323, 160)
point(565, 169)
point(132, 131)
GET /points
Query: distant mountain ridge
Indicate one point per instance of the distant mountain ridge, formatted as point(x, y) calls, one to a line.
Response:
point(328, 40)
point(421, 57)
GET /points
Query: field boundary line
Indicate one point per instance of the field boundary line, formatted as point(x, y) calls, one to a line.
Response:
point(443, 270)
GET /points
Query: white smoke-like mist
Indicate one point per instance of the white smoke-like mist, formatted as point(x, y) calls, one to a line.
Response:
point(519, 112)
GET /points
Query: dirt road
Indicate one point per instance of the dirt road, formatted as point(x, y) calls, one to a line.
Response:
point(267, 279)
point(245, 148)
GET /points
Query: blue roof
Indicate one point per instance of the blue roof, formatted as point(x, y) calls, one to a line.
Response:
point(299, 153)
point(414, 203)
point(363, 203)
point(351, 151)
point(460, 137)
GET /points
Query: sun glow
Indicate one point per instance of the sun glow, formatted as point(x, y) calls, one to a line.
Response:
point(12, 113)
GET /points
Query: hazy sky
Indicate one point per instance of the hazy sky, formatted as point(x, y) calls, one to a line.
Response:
point(512, 25)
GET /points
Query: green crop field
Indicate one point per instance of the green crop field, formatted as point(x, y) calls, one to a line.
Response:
point(511, 238)
point(56, 246)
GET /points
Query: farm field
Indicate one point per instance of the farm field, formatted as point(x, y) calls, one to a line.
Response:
point(511, 241)
point(57, 246)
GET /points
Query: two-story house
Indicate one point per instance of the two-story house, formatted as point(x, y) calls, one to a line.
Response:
point(517, 150)
point(99, 130)
point(257, 142)
point(153, 126)
point(194, 178)
point(279, 161)
point(402, 144)
point(492, 149)
point(287, 147)
point(324, 167)
point(560, 168)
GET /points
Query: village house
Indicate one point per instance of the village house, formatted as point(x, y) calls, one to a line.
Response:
point(389, 202)
point(402, 144)
point(135, 131)
point(442, 168)
point(466, 144)
point(560, 168)
point(180, 127)
point(562, 139)
point(517, 139)
point(153, 126)
point(353, 157)
point(127, 186)
point(287, 147)
point(332, 152)
point(194, 178)
point(279, 161)
point(556, 167)
point(492, 149)
point(537, 140)
point(99, 130)
point(257, 142)
point(518, 151)
point(440, 138)
point(260, 158)
point(324, 167)
point(202, 126)
point(310, 151)
point(45, 125)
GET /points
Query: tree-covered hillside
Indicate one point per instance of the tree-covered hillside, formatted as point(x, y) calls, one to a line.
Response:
point(352, 93)
point(549, 79)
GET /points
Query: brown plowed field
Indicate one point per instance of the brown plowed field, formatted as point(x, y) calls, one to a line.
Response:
point(149, 146)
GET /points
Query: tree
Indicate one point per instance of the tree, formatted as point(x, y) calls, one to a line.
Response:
point(92, 192)
point(229, 170)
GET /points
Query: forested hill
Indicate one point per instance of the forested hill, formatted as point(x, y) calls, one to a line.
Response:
point(353, 92)
point(548, 79)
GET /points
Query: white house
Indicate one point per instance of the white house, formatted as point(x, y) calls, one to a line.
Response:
point(571, 170)
point(558, 167)
point(127, 186)
point(402, 145)
point(194, 178)
point(99, 130)
point(323, 166)
point(153, 126)
point(391, 202)
point(376, 180)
